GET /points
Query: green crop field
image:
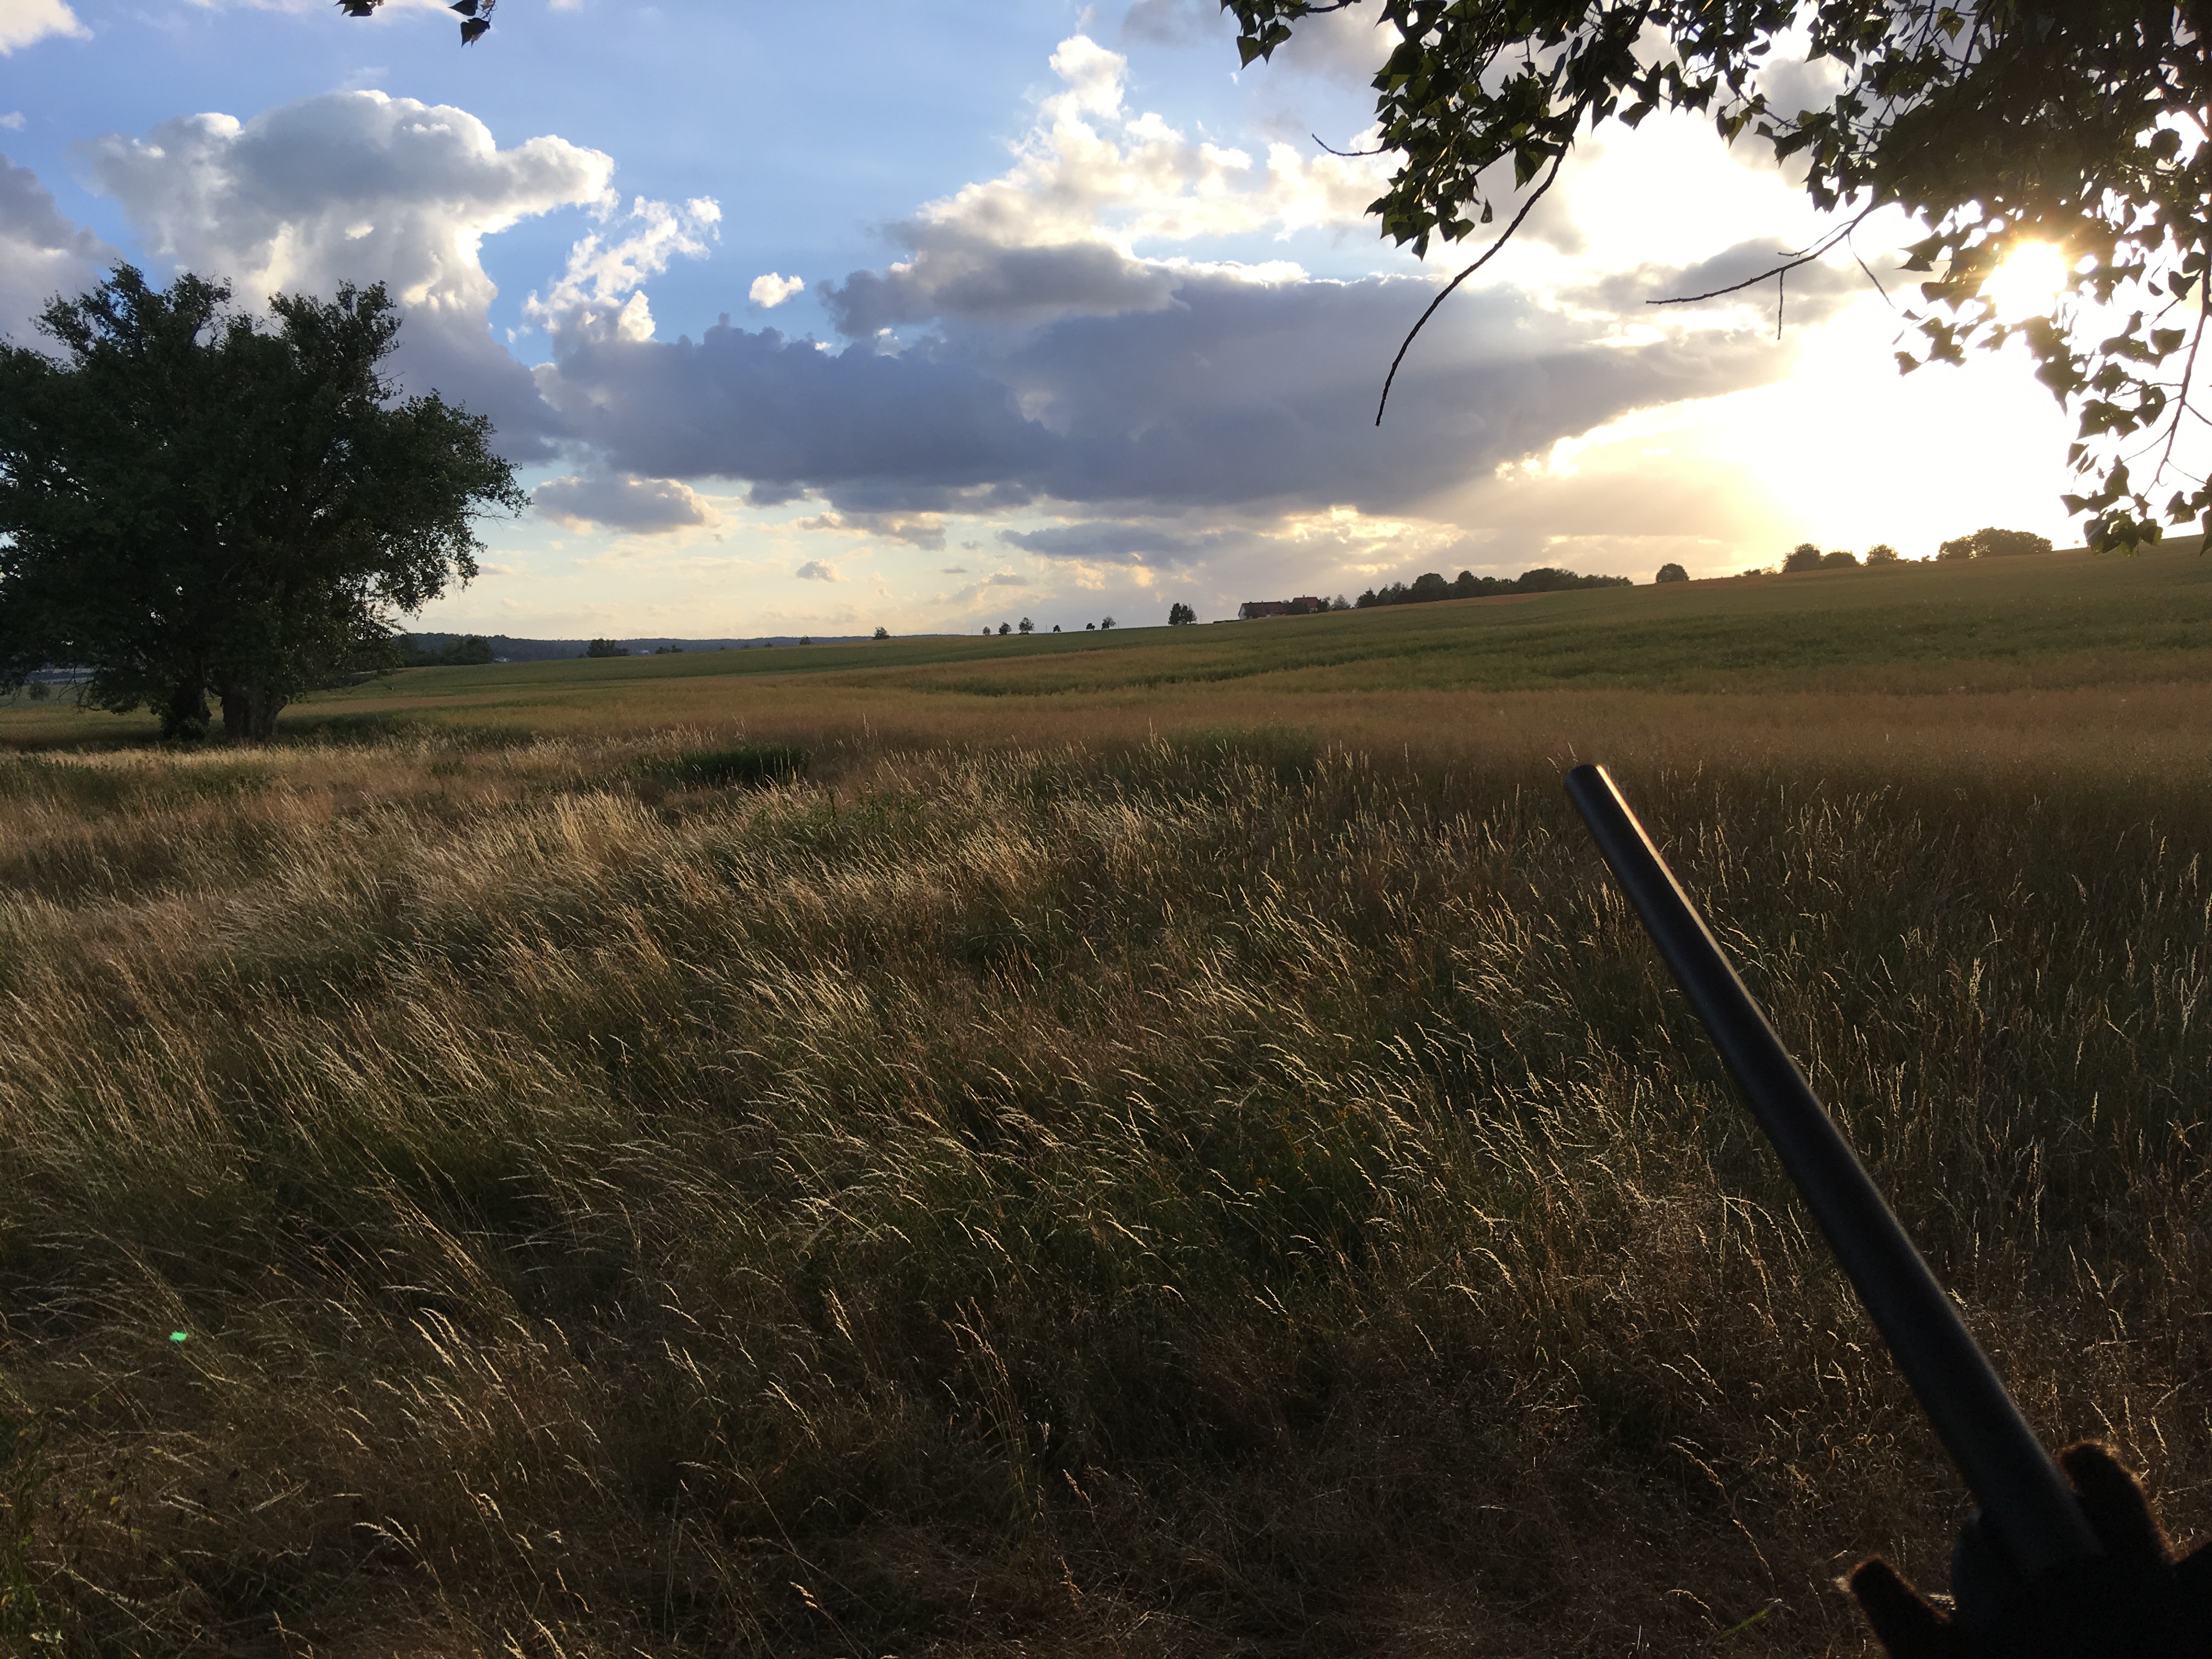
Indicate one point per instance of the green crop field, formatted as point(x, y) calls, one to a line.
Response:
point(1161, 1143)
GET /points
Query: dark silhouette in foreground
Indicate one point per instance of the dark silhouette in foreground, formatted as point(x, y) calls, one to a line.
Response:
point(2133, 1602)
point(2070, 1565)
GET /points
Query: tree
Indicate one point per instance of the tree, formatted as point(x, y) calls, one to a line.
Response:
point(605, 648)
point(1027, 626)
point(883, 633)
point(1959, 548)
point(1992, 124)
point(1990, 543)
point(1180, 615)
point(1430, 585)
point(1839, 560)
point(192, 500)
point(1105, 622)
point(1671, 572)
point(1003, 631)
point(1881, 553)
point(1803, 556)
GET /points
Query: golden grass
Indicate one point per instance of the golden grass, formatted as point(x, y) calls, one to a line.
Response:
point(1163, 1170)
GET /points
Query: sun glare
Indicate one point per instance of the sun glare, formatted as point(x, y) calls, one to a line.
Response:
point(2031, 277)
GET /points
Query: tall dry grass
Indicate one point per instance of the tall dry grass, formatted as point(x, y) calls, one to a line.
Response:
point(1228, 1195)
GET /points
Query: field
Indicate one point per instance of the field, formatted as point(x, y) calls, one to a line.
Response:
point(1161, 1144)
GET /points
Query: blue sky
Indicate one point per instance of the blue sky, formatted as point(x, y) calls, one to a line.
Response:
point(807, 320)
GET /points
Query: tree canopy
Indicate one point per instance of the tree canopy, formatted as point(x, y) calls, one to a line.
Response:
point(1992, 123)
point(192, 500)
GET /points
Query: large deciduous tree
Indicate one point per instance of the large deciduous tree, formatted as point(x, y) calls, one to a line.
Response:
point(1992, 123)
point(196, 501)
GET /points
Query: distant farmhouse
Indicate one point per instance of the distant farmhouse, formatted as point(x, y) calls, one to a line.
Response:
point(1305, 606)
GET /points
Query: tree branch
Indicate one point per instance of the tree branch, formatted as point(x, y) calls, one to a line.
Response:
point(1806, 258)
point(1488, 254)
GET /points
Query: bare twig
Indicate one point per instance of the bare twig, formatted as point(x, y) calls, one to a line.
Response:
point(1488, 254)
point(1348, 154)
point(2188, 370)
point(1805, 259)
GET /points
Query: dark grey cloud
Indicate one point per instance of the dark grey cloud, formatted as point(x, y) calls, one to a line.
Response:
point(1237, 394)
point(646, 505)
point(952, 275)
point(874, 432)
point(43, 253)
point(1107, 541)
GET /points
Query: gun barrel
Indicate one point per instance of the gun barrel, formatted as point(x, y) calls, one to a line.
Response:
point(2025, 1501)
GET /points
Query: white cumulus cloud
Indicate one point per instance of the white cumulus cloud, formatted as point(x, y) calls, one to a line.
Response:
point(605, 274)
point(359, 187)
point(23, 23)
point(43, 253)
point(818, 570)
point(771, 290)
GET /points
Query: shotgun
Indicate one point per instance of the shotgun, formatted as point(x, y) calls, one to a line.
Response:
point(2027, 1505)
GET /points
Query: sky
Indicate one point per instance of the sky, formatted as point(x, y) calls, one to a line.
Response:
point(804, 320)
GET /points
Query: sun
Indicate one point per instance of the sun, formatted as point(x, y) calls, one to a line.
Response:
point(2031, 277)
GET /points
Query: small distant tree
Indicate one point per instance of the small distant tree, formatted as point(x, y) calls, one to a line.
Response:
point(605, 648)
point(986, 631)
point(883, 633)
point(1180, 615)
point(1803, 556)
point(1990, 543)
point(1105, 622)
point(1956, 551)
point(1339, 603)
point(1881, 553)
point(1091, 627)
point(1027, 626)
point(1429, 585)
point(1671, 572)
point(806, 639)
point(1839, 560)
point(1004, 630)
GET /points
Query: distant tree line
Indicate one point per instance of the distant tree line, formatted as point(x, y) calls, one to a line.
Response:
point(1425, 589)
point(469, 650)
point(1987, 543)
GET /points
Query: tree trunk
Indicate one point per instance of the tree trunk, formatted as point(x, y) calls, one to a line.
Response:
point(249, 712)
point(185, 717)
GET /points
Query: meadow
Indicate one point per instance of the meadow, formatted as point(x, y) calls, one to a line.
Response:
point(1161, 1143)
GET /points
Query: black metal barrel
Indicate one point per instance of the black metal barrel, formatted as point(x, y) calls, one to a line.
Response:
point(2026, 1503)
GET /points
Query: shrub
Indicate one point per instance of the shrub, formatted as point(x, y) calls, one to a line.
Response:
point(1839, 560)
point(1671, 572)
point(752, 766)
